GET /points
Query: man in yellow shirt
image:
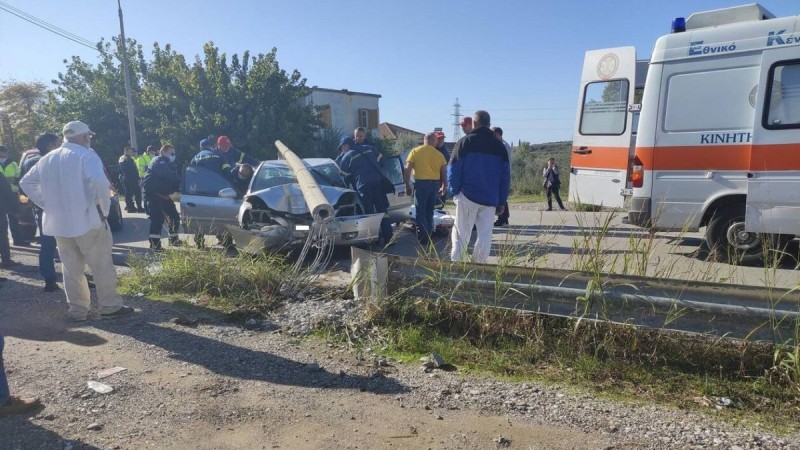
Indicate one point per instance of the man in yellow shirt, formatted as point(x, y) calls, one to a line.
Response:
point(430, 180)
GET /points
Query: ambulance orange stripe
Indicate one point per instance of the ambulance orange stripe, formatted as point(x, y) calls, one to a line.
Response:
point(600, 158)
point(721, 157)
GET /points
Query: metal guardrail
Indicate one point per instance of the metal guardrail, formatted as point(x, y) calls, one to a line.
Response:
point(735, 311)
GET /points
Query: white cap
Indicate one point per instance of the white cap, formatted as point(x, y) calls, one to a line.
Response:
point(75, 128)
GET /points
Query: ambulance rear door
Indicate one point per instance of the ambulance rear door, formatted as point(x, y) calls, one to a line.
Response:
point(773, 178)
point(601, 143)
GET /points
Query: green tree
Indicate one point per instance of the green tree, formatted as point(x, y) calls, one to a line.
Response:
point(22, 105)
point(251, 99)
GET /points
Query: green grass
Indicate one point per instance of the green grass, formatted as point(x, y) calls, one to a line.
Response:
point(616, 361)
point(212, 278)
point(526, 198)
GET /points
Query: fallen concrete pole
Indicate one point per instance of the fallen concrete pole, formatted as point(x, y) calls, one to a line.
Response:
point(709, 308)
point(317, 203)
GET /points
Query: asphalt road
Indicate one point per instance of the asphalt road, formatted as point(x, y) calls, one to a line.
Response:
point(566, 240)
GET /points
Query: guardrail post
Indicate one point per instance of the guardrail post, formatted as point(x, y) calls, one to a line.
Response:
point(368, 272)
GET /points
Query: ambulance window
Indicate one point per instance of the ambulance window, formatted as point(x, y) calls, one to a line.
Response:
point(782, 106)
point(605, 108)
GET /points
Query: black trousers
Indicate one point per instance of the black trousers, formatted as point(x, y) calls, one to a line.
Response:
point(132, 191)
point(503, 218)
point(159, 210)
point(552, 191)
point(5, 249)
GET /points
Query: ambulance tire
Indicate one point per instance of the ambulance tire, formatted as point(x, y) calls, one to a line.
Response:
point(729, 243)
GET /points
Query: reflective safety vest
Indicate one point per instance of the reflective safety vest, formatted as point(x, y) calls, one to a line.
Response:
point(142, 162)
point(11, 172)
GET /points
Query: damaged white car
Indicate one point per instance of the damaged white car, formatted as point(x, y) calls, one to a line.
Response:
point(275, 214)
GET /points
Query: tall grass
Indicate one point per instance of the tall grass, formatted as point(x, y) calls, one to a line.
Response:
point(240, 282)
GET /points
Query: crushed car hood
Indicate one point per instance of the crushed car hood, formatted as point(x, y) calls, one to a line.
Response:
point(288, 198)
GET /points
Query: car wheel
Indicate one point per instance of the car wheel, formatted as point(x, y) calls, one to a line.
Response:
point(730, 243)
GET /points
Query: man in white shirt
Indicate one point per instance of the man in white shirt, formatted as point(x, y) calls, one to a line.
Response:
point(70, 185)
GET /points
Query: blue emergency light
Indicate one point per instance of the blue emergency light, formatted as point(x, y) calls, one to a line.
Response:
point(679, 25)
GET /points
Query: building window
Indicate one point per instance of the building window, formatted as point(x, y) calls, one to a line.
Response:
point(363, 118)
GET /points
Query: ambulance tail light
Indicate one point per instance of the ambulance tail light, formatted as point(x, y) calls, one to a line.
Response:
point(637, 173)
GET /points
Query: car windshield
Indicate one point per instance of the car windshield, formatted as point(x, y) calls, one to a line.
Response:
point(271, 175)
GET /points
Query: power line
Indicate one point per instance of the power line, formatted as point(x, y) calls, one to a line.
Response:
point(47, 26)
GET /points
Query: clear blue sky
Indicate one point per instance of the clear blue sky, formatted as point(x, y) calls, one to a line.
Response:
point(518, 59)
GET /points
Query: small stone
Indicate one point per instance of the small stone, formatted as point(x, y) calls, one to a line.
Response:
point(502, 442)
point(439, 418)
point(736, 447)
point(437, 360)
point(94, 426)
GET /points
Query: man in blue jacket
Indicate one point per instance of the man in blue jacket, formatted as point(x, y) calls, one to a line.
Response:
point(479, 176)
point(160, 181)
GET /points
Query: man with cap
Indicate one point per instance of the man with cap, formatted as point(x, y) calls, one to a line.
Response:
point(345, 144)
point(210, 159)
point(10, 170)
point(233, 155)
point(160, 182)
point(78, 222)
point(479, 177)
point(466, 125)
point(130, 180)
point(440, 145)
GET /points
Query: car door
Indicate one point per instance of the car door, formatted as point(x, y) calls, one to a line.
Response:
point(601, 143)
point(209, 202)
point(773, 178)
point(399, 202)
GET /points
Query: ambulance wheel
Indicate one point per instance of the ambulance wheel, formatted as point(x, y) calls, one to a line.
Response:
point(730, 243)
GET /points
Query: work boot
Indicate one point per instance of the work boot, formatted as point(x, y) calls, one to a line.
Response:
point(155, 245)
point(18, 405)
point(51, 286)
point(175, 242)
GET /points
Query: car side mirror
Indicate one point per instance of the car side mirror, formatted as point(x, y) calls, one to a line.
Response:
point(228, 193)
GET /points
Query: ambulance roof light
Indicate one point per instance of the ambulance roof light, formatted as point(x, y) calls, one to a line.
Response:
point(679, 25)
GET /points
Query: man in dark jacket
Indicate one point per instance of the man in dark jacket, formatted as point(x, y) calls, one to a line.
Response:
point(360, 168)
point(9, 203)
point(211, 160)
point(160, 181)
point(47, 244)
point(479, 176)
point(129, 178)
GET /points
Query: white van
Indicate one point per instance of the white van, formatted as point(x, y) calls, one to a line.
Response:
point(718, 137)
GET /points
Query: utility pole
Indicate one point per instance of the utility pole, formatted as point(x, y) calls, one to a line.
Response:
point(457, 124)
point(128, 96)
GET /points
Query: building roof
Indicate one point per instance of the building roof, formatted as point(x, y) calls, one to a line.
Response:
point(344, 91)
point(391, 131)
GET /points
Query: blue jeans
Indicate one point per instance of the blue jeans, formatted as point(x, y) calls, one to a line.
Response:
point(375, 201)
point(47, 252)
point(425, 192)
point(4, 394)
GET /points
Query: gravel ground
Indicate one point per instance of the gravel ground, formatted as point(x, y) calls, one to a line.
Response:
point(194, 380)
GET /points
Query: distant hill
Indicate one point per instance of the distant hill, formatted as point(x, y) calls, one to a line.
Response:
point(530, 159)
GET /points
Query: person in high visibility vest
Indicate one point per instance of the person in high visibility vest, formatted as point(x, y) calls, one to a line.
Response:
point(143, 162)
point(10, 170)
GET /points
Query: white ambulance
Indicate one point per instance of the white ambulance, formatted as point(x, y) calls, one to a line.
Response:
point(718, 138)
